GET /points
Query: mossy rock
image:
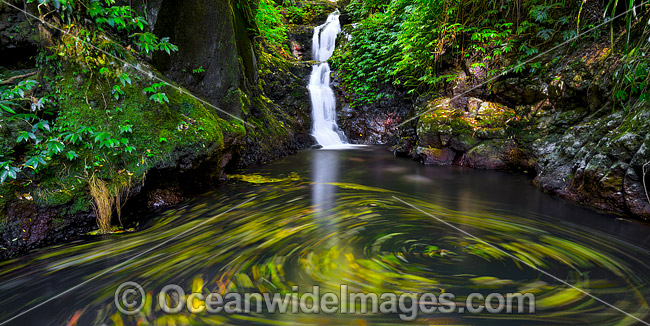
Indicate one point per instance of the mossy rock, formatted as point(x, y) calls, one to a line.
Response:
point(463, 142)
point(494, 115)
point(437, 118)
point(484, 120)
point(491, 133)
point(492, 155)
point(436, 156)
point(160, 134)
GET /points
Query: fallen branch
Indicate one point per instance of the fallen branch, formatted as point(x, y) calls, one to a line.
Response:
point(12, 79)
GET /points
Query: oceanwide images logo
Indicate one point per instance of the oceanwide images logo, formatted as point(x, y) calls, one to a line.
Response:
point(172, 299)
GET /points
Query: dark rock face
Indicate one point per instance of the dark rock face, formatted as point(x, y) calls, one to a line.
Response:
point(212, 35)
point(436, 156)
point(373, 123)
point(562, 125)
point(18, 46)
point(164, 197)
point(300, 37)
point(598, 162)
point(35, 226)
point(588, 150)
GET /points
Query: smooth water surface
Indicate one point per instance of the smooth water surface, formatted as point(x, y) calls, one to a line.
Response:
point(332, 218)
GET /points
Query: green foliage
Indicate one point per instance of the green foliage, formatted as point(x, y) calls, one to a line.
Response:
point(370, 57)
point(360, 10)
point(631, 12)
point(295, 15)
point(107, 15)
point(45, 143)
point(271, 25)
point(304, 13)
point(10, 96)
point(149, 43)
point(156, 95)
point(122, 22)
point(7, 171)
point(632, 78)
point(403, 42)
point(35, 133)
point(273, 19)
point(97, 31)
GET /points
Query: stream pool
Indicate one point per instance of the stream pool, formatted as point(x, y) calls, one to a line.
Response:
point(358, 218)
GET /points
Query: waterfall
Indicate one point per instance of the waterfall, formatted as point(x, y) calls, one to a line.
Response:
point(325, 130)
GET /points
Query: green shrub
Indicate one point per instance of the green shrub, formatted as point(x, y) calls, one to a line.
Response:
point(403, 42)
point(271, 25)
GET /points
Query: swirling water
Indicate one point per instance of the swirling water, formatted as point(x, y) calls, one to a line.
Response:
point(331, 217)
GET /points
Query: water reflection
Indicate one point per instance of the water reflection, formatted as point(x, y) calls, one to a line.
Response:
point(336, 222)
point(324, 171)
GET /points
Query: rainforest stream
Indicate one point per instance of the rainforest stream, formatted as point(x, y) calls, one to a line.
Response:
point(336, 217)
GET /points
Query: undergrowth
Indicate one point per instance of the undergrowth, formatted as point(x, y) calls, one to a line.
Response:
point(409, 44)
point(87, 123)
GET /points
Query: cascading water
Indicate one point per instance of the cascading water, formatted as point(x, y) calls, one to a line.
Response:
point(325, 130)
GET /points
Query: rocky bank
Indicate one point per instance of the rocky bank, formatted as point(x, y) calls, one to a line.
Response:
point(562, 127)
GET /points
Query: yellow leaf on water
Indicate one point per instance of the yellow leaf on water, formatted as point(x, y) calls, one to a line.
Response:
point(356, 186)
point(117, 319)
point(243, 280)
point(560, 298)
point(257, 178)
point(197, 284)
point(490, 281)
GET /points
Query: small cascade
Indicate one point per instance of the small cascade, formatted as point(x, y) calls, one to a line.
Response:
point(325, 130)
